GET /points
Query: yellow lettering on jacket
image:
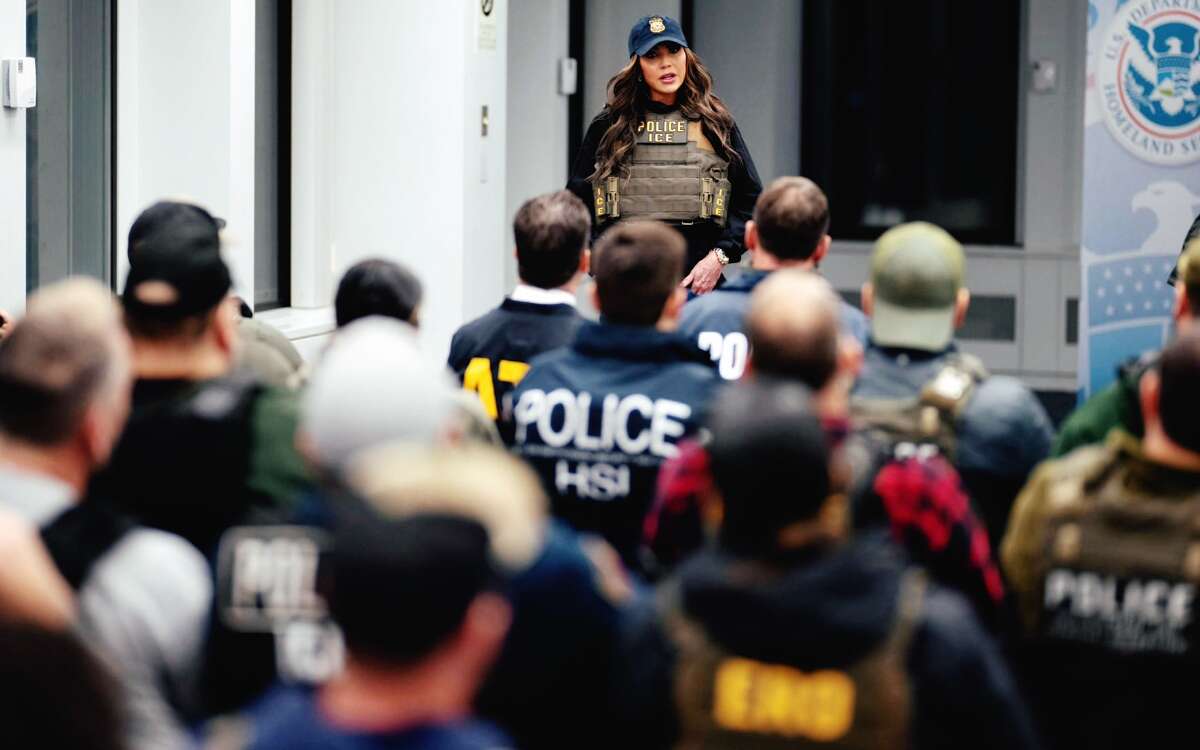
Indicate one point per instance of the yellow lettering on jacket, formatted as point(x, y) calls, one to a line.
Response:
point(478, 378)
point(750, 696)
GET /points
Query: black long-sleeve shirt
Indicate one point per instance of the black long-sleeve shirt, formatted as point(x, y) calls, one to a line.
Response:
point(701, 236)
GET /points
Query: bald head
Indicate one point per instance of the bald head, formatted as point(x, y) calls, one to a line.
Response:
point(69, 352)
point(793, 327)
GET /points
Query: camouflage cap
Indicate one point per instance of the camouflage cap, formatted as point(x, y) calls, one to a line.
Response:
point(1189, 263)
point(916, 271)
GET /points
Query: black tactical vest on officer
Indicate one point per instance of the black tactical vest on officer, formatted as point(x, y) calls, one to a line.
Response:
point(182, 463)
point(1113, 655)
point(1121, 563)
point(727, 701)
point(927, 421)
point(667, 177)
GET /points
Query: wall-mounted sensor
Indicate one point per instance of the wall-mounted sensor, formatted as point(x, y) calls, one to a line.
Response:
point(18, 83)
point(1045, 76)
point(568, 76)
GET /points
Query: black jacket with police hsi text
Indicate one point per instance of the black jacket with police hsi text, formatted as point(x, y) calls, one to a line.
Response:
point(597, 418)
point(492, 353)
point(701, 236)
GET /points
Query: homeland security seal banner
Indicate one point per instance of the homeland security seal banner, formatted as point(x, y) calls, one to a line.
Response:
point(1141, 175)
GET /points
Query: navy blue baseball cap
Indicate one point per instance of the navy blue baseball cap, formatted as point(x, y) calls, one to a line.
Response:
point(652, 30)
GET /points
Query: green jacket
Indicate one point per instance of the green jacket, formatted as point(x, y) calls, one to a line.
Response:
point(1115, 406)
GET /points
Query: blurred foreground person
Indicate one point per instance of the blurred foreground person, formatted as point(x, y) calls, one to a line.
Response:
point(143, 594)
point(204, 449)
point(54, 693)
point(789, 230)
point(492, 353)
point(596, 419)
point(1119, 405)
point(373, 398)
point(918, 389)
point(1103, 555)
point(786, 634)
point(412, 577)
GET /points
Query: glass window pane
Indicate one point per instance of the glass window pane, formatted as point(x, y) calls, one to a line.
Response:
point(910, 112)
point(69, 141)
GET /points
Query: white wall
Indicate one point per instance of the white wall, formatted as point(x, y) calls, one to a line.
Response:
point(185, 117)
point(753, 53)
point(388, 156)
point(607, 43)
point(12, 169)
point(537, 137)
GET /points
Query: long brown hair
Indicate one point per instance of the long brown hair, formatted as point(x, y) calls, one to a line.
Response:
point(626, 106)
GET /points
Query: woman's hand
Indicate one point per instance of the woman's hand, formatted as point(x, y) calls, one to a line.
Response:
point(703, 277)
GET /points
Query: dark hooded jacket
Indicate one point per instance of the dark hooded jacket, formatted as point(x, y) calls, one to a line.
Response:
point(829, 608)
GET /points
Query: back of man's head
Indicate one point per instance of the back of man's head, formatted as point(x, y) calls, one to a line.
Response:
point(792, 217)
point(770, 462)
point(177, 278)
point(792, 324)
point(1179, 398)
point(638, 267)
point(437, 528)
point(378, 287)
point(68, 353)
point(551, 232)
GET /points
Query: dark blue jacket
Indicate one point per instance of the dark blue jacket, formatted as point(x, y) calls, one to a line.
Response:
point(514, 333)
point(829, 608)
point(597, 418)
point(289, 719)
point(716, 322)
point(1002, 434)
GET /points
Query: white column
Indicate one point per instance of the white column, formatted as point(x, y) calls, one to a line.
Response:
point(12, 169)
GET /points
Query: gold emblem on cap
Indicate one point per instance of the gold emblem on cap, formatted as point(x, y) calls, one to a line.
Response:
point(657, 26)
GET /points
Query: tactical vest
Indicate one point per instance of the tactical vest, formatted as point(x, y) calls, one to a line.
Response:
point(926, 422)
point(727, 701)
point(1120, 567)
point(667, 177)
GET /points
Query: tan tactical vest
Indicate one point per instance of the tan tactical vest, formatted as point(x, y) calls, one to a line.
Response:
point(928, 419)
point(727, 701)
point(1121, 559)
point(669, 176)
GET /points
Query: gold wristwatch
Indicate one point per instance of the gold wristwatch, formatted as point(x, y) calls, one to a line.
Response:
point(722, 258)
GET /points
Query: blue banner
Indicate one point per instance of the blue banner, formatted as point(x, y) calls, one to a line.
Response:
point(1141, 180)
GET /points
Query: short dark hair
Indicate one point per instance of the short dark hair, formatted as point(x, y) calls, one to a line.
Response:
point(377, 287)
point(551, 232)
point(793, 326)
point(769, 460)
point(792, 215)
point(1179, 398)
point(637, 266)
point(398, 588)
point(50, 371)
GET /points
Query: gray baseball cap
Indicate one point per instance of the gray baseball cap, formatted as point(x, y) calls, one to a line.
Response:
point(372, 386)
point(917, 270)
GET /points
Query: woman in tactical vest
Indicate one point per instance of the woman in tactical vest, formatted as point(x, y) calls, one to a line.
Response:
point(665, 147)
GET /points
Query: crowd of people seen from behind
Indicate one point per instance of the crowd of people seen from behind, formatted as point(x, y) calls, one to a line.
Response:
point(760, 517)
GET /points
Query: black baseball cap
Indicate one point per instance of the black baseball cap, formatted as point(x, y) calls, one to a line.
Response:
point(175, 264)
point(652, 30)
point(770, 461)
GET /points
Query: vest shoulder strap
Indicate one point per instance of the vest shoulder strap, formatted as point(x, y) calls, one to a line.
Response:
point(80, 536)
